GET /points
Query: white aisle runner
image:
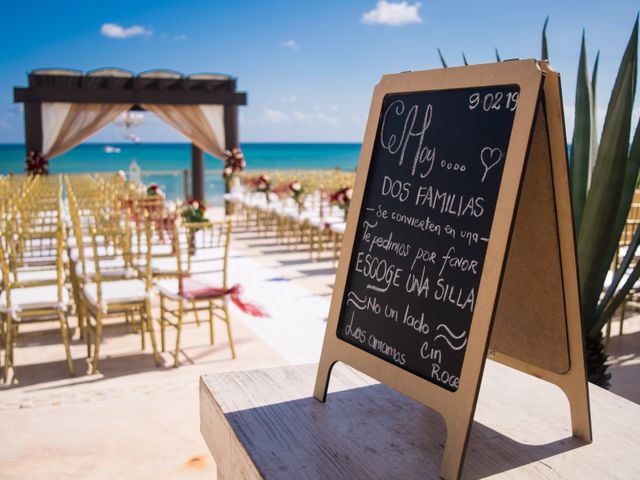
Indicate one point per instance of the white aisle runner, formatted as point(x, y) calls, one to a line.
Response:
point(295, 328)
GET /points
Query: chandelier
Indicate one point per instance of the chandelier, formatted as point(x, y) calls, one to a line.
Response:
point(129, 121)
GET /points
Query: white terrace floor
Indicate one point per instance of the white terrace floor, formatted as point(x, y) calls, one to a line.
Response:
point(136, 421)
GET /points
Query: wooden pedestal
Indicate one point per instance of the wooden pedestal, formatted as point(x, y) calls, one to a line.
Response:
point(266, 424)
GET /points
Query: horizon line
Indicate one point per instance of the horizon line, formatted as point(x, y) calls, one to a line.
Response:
point(189, 143)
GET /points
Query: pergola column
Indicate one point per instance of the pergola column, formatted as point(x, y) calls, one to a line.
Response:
point(230, 141)
point(33, 127)
point(231, 126)
point(197, 173)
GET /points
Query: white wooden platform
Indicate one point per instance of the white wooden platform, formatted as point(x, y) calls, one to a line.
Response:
point(266, 424)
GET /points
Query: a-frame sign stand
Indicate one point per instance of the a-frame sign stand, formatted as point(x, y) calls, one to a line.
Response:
point(527, 313)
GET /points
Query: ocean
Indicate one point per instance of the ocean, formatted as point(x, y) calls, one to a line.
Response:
point(173, 158)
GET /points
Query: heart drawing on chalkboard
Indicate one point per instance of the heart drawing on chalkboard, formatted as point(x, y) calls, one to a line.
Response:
point(489, 157)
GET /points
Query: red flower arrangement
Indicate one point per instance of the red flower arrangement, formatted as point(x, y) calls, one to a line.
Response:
point(341, 198)
point(234, 162)
point(194, 211)
point(154, 190)
point(36, 164)
point(263, 184)
point(296, 190)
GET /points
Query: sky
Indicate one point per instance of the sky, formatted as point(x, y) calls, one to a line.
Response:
point(309, 67)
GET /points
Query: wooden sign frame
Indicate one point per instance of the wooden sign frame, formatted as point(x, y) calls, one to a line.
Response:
point(539, 96)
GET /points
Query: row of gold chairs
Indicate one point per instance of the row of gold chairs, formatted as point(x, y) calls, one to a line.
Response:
point(101, 255)
point(311, 220)
point(32, 261)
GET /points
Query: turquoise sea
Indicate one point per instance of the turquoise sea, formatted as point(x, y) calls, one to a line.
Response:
point(173, 158)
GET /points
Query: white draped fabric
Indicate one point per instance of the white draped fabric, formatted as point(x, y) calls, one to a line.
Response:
point(53, 115)
point(202, 124)
point(65, 125)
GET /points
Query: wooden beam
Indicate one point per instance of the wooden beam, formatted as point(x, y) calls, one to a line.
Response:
point(135, 96)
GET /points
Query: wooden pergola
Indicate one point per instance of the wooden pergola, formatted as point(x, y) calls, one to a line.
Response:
point(115, 86)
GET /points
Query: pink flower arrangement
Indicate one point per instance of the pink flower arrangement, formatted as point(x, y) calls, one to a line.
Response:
point(296, 190)
point(154, 190)
point(234, 162)
point(341, 198)
point(263, 184)
point(194, 211)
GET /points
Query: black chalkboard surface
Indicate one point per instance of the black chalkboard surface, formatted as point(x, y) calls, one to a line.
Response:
point(423, 228)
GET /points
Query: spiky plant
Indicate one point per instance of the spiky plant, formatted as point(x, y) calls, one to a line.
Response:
point(603, 177)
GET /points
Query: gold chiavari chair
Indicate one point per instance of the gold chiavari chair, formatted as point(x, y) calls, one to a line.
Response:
point(129, 297)
point(37, 303)
point(631, 225)
point(200, 285)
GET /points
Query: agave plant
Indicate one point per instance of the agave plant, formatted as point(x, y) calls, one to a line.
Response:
point(604, 175)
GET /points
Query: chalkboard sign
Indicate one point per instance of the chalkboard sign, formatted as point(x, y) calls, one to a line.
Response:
point(424, 225)
point(459, 244)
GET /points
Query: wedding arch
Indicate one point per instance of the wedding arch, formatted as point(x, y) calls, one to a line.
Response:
point(64, 107)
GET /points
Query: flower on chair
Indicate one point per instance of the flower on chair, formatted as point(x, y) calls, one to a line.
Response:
point(296, 190)
point(193, 211)
point(154, 190)
point(263, 184)
point(341, 198)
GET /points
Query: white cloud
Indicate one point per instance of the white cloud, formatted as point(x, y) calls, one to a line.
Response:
point(290, 99)
point(180, 37)
point(315, 118)
point(275, 116)
point(113, 30)
point(291, 44)
point(392, 14)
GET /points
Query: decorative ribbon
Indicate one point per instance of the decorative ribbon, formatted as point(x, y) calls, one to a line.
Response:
point(193, 289)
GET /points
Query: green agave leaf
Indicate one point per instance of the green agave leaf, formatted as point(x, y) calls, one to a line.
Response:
point(594, 118)
point(617, 300)
point(464, 59)
point(498, 59)
point(631, 178)
point(595, 247)
point(444, 64)
point(545, 49)
point(581, 144)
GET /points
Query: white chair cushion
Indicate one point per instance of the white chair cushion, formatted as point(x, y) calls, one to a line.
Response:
point(120, 291)
point(168, 287)
point(35, 298)
point(48, 275)
point(338, 227)
point(323, 222)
